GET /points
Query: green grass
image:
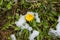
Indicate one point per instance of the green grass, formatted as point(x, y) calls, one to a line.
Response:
point(48, 11)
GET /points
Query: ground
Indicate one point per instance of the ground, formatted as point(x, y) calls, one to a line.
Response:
point(48, 11)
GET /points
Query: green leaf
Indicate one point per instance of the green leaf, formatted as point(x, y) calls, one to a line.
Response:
point(16, 28)
point(45, 24)
point(1, 2)
point(9, 6)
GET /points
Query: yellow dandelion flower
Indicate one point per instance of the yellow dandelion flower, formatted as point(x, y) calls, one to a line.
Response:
point(29, 17)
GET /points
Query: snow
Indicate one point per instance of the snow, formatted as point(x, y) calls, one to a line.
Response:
point(33, 35)
point(13, 37)
point(57, 31)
